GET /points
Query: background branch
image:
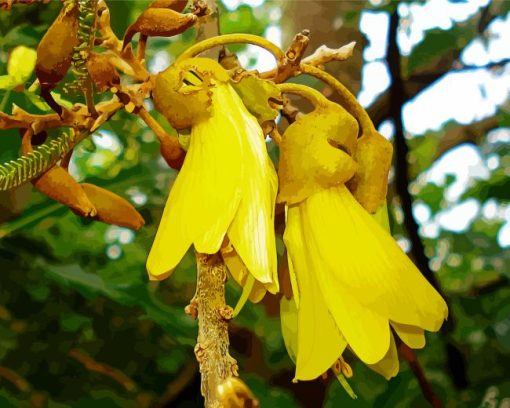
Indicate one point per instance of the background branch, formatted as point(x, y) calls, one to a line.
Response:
point(402, 178)
point(437, 68)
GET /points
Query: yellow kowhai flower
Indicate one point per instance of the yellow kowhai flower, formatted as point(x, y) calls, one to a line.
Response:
point(226, 188)
point(352, 284)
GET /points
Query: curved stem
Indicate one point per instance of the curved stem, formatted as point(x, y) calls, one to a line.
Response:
point(312, 95)
point(233, 39)
point(349, 101)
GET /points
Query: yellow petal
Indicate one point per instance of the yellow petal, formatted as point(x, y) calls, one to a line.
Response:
point(289, 323)
point(389, 365)
point(335, 253)
point(381, 217)
point(238, 270)
point(205, 194)
point(293, 238)
point(252, 230)
point(368, 276)
point(247, 288)
point(320, 343)
point(413, 336)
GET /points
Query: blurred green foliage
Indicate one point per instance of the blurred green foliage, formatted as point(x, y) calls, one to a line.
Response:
point(67, 284)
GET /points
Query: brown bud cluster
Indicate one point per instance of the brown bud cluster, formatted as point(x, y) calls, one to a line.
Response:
point(102, 73)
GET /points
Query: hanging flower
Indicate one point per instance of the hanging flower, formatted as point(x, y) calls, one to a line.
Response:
point(352, 284)
point(226, 189)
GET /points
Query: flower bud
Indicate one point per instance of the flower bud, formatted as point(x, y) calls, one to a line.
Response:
point(315, 152)
point(102, 72)
point(55, 50)
point(182, 92)
point(159, 22)
point(113, 209)
point(233, 393)
point(59, 185)
point(370, 183)
point(175, 5)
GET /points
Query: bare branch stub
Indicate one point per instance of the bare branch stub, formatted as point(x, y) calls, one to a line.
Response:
point(293, 56)
point(324, 54)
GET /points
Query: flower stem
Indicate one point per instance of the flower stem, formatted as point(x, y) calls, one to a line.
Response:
point(204, 45)
point(216, 364)
point(312, 95)
point(348, 100)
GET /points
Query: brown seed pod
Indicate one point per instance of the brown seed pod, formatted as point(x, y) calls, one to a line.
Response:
point(59, 185)
point(159, 22)
point(102, 73)
point(370, 183)
point(175, 5)
point(55, 50)
point(113, 209)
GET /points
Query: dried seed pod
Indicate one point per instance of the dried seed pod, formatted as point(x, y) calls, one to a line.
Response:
point(102, 73)
point(59, 185)
point(159, 22)
point(113, 209)
point(55, 50)
point(315, 152)
point(175, 5)
point(370, 183)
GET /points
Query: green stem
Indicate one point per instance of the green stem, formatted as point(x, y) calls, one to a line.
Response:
point(4, 100)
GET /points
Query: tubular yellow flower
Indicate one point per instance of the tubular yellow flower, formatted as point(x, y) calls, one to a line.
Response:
point(227, 185)
point(351, 281)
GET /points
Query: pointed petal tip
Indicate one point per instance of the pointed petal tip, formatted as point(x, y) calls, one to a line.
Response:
point(155, 270)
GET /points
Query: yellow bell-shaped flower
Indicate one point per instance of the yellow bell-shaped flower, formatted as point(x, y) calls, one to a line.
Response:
point(227, 185)
point(351, 282)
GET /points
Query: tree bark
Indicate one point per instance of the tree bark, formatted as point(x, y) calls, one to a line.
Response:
point(216, 364)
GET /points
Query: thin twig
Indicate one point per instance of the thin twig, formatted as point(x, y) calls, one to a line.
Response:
point(178, 384)
point(407, 354)
point(14, 378)
point(92, 365)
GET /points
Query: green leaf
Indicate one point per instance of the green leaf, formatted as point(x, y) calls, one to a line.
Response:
point(126, 294)
point(25, 34)
point(40, 104)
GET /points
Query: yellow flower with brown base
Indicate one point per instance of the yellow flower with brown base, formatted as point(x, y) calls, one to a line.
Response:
point(352, 284)
point(225, 192)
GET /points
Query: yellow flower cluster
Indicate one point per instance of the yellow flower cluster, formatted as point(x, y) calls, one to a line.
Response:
point(352, 286)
